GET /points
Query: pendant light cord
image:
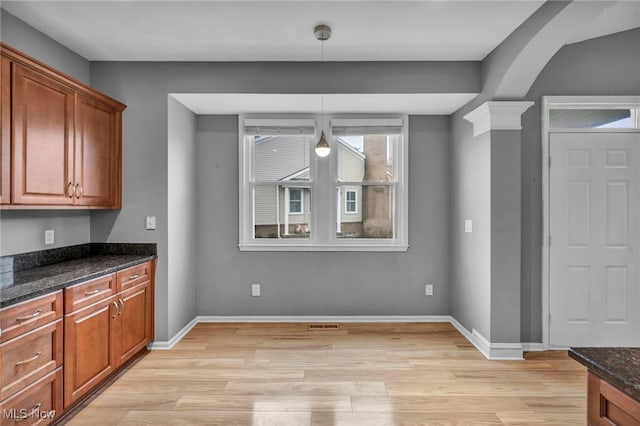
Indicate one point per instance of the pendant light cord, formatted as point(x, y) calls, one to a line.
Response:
point(322, 92)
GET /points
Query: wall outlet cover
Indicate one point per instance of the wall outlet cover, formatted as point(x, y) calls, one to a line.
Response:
point(428, 290)
point(151, 222)
point(49, 236)
point(255, 290)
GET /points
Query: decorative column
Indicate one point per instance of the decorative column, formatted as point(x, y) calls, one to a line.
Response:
point(500, 122)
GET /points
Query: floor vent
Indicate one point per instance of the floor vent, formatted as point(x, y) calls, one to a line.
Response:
point(324, 327)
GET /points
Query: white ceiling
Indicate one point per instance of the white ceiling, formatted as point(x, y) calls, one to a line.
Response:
point(277, 30)
point(270, 30)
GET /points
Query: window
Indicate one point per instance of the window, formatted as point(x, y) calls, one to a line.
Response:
point(351, 202)
point(295, 200)
point(285, 189)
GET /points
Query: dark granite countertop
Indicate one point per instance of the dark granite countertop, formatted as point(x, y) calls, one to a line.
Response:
point(28, 278)
point(618, 366)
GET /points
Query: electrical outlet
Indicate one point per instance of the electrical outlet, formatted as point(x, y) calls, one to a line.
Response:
point(255, 290)
point(49, 236)
point(151, 222)
point(428, 289)
point(468, 226)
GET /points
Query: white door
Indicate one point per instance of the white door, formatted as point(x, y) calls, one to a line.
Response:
point(594, 295)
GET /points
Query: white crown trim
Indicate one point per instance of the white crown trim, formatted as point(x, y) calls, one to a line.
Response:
point(497, 115)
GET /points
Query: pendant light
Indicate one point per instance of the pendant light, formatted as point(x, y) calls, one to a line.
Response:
point(322, 33)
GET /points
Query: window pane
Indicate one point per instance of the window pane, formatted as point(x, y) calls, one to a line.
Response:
point(295, 200)
point(272, 218)
point(280, 158)
point(372, 216)
point(590, 118)
point(351, 201)
point(367, 158)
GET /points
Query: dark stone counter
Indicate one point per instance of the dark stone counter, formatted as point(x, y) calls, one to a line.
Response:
point(28, 275)
point(618, 366)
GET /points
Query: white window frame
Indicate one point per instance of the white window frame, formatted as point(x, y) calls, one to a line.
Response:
point(347, 201)
point(301, 190)
point(322, 184)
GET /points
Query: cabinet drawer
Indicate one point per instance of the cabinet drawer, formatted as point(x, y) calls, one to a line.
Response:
point(133, 276)
point(29, 357)
point(39, 404)
point(89, 292)
point(26, 316)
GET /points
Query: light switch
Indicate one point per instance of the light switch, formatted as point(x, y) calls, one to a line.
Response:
point(255, 290)
point(468, 226)
point(151, 222)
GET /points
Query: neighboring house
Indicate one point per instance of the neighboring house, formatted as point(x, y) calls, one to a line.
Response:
point(284, 209)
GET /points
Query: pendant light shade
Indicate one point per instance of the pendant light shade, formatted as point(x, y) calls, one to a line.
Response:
point(322, 33)
point(322, 147)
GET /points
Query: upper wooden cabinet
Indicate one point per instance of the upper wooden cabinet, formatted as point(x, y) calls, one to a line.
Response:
point(42, 154)
point(64, 139)
point(5, 133)
point(97, 155)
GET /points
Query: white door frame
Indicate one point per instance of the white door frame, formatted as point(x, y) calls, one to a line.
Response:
point(570, 102)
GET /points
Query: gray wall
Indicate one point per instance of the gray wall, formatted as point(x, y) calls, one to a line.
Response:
point(182, 197)
point(23, 231)
point(603, 66)
point(470, 172)
point(143, 87)
point(20, 35)
point(322, 283)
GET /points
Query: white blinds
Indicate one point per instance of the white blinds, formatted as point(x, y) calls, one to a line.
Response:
point(259, 127)
point(352, 127)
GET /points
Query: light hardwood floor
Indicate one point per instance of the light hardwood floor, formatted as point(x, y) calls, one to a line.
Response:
point(361, 374)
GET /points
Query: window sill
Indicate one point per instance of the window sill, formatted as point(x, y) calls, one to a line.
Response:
point(360, 247)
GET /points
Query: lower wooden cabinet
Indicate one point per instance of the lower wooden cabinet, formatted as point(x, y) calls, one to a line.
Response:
point(135, 323)
point(89, 348)
point(31, 361)
point(29, 357)
point(38, 404)
point(607, 406)
point(49, 362)
point(100, 337)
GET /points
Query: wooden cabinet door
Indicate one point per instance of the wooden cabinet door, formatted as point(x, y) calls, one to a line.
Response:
point(42, 157)
point(135, 321)
point(97, 153)
point(5, 130)
point(89, 352)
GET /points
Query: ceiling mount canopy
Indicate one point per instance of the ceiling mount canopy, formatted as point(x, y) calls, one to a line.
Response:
point(322, 32)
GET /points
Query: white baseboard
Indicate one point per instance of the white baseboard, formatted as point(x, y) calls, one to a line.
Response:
point(492, 351)
point(321, 318)
point(163, 346)
point(533, 347)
